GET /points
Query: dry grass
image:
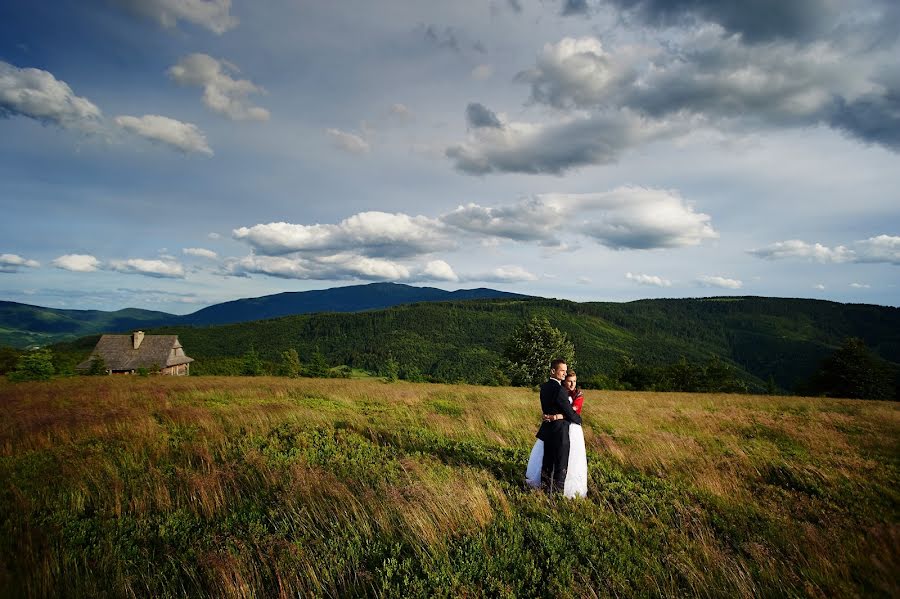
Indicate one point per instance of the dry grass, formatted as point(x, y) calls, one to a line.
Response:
point(245, 487)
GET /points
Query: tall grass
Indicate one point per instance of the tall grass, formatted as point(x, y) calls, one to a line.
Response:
point(263, 487)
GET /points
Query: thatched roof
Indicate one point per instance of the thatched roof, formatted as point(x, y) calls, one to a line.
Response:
point(154, 352)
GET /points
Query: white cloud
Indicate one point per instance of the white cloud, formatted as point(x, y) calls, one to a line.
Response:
point(860, 286)
point(650, 280)
point(201, 253)
point(214, 236)
point(39, 95)
point(820, 287)
point(340, 266)
point(882, 248)
point(212, 14)
point(715, 281)
point(400, 111)
point(176, 134)
point(624, 218)
point(369, 233)
point(10, 263)
point(482, 72)
point(221, 92)
point(438, 270)
point(77, 262)
point(505, 274)
point(150, 268)
point(349, 142)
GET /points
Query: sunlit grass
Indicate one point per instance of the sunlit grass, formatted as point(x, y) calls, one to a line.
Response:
point(274, 487)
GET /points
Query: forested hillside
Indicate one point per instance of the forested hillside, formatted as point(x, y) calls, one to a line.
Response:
point(766, 339)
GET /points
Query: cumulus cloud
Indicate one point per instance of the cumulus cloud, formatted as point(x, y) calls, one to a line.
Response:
point(214, 15)
point(341, 266)
point(10, 263)
point(624, 218)
point(221, 92)
point(77, 262)
point(349, 142)
point(201, 253)
point(534, 148)
point(727, 83)
point(438, 270)
point(160, 129)
point(478, 115)
point(882, 248)
point(716, 281)
point(150, 268)
point(649, 280)
point(371, 233)
point(505, 274)
point(37, 94)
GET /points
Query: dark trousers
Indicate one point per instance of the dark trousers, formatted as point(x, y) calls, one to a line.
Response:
point(556, 457)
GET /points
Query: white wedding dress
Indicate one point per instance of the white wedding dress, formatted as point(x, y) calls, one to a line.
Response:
point(576, 476)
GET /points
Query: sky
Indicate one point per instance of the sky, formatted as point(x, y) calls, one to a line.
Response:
point(172, 154)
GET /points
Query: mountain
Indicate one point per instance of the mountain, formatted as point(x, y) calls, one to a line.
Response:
point(354, 298)
point(784, 339)
point(23, 325)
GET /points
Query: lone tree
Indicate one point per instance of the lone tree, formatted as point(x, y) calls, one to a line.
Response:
point(529, 351)
point(854, 371)
point(290, 363)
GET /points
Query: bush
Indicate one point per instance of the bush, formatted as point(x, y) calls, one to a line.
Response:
point(35, 365)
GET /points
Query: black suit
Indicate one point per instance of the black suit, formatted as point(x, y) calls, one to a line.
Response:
point(555, 435)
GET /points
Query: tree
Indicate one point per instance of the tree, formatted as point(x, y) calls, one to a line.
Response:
point(290, 363)
point(317, 367)
point(251, 365)
point(391, 369)
point(854, 371)
point(97, 367)
point(35, 365)
point(531, 348)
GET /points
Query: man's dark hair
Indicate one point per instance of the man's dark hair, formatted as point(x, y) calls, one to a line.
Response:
point(554, 364)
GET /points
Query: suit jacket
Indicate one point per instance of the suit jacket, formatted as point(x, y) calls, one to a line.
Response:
point(555, 400)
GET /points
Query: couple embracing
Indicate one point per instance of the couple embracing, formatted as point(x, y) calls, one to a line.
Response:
point(558, 461)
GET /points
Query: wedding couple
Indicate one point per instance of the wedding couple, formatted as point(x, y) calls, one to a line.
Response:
point(558, 461)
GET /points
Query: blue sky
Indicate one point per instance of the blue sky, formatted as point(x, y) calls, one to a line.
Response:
point(170, 154)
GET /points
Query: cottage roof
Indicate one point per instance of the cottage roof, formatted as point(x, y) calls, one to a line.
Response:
point(155, 351)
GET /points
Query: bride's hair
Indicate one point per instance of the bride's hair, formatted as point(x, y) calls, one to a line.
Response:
point(570, 373)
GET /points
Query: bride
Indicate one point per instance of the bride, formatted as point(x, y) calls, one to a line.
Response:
point(576, 477)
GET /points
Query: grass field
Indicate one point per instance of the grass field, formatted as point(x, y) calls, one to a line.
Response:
point(264, 487)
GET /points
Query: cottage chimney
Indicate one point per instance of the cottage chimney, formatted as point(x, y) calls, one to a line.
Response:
point(137, 337)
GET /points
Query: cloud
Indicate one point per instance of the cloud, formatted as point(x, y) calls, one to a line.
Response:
point(763, 20)
point(438, 270)
point(574, 7)
point(882, 248)
point(860, 286)
point(214, 235)
point(482, 72)
point(214, 15)
point(724, 82)
point(176, 134)
point(505, 274)
point(201, 253)
point(221, 92)
point(624, 218)
point(10, 263)
point(150, 268)
point(477, 115)
point(77, 262)
point(369, 233)
point(714, 281)
point(38, 95)
point(820, 287)
point(349, 142)
point(649, 280)
point(341, 266)
point(519, 147)
point(400, 111)
point(445, 38)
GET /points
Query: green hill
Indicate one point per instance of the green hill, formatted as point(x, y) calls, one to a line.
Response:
point(463, 341)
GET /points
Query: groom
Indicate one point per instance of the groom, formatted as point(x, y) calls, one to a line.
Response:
point(554, 431)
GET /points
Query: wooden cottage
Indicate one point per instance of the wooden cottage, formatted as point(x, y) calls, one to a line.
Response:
point(127, 354)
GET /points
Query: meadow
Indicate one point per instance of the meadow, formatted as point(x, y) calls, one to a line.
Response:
point(274, 487)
